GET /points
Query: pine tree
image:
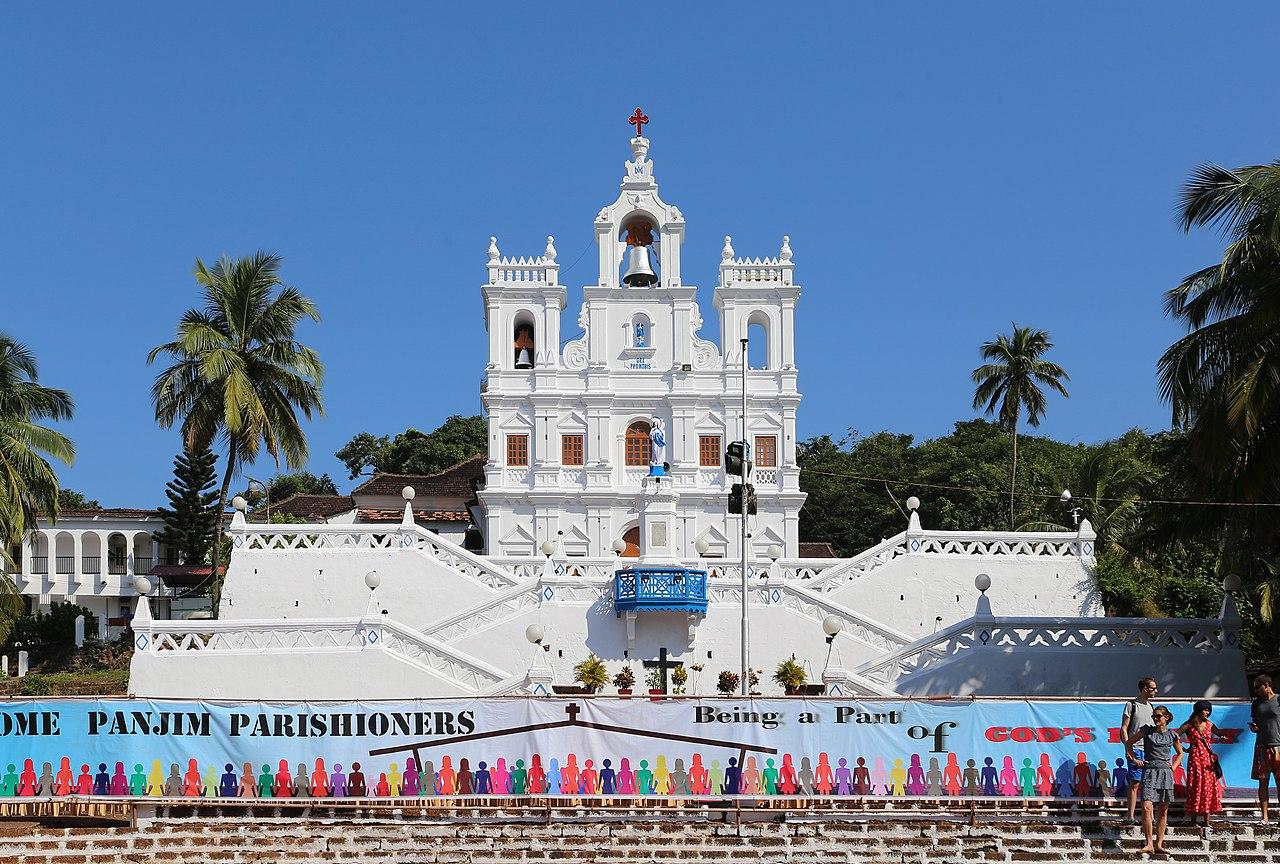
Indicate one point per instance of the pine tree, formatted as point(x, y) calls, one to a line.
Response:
point(192, 513)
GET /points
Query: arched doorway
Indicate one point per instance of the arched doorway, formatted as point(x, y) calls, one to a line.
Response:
point(632, 538)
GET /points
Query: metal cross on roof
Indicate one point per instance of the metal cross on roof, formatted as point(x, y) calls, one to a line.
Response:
point(638, 120)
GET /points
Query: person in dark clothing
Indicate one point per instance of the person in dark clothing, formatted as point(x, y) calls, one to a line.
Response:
point(1265, 724)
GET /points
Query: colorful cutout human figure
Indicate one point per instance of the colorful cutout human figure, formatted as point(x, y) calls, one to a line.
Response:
point(787, 782)
point(1027, 778)
point(319, 780)
point(824, 782)
point(933, 778)
point(192, 782)
point(861, 778)
point(46, 780)
point(626, 778)
point(357, 786)
point(844, 777)
point(1044, 776)
point(952, 781)
point(971, 786)
point(1008, 778)
point(898, 779)
point(915, 776)
point(119, 780)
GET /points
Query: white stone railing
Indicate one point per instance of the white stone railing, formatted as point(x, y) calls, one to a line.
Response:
point(768, 476)
point(755, 270)
point(304, 538)
point(717, 568)
point(523, 271)
point(844, 571)
point(310, 635)
point(1028, 634)
point(1042, 544)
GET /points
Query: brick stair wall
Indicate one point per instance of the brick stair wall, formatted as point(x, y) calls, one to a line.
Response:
point(490, 836)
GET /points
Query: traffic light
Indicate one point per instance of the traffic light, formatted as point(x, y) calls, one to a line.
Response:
point(733, 456)
point(735, 499)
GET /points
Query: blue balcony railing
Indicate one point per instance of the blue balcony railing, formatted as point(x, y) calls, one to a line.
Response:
point(660, 589)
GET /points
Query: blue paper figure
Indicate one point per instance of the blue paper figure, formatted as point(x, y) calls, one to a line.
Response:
point(990, 778)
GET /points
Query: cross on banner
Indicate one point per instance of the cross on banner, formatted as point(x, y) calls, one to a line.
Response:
point(638, 120)
point(662, 664)
point(572, 710)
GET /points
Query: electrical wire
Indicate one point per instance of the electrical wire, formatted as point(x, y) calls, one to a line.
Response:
point(1048, 495)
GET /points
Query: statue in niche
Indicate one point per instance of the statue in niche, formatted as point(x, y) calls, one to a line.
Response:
point(657, 448)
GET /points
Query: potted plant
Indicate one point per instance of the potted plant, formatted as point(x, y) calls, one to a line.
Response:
point(753, 681)
point(790, 675)
point(679, 678)
point(697, 676)
point(728, 683)
point(624, 681)
point(654, 680)
point(591, 674)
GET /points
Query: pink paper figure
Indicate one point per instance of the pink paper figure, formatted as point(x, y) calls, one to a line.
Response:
point(751, 778)
point(698, 781)
point(1008, 778)
point(879, 777)
point(626, 778)
point(500, 778)
point(411, 777)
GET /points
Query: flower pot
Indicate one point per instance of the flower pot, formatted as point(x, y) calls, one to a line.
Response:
point(624, 694)
point(656, 695)
point(792, 691)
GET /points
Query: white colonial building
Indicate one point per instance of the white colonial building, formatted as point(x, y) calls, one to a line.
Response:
point(358, 604)
point(570, 421)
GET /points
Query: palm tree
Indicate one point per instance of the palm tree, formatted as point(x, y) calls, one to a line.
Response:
point(28, 485)
point(1011, 382)
point(240, 374)
point(1223, 378)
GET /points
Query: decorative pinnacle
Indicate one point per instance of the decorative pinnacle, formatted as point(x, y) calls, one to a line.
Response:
point(785, 255)
point(493, 249)
point(726, 254)
point(550, 253)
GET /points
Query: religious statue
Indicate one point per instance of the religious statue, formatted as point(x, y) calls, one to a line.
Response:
point(657, 448)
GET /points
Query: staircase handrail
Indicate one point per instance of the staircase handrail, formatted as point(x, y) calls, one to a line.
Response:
point(861, 564)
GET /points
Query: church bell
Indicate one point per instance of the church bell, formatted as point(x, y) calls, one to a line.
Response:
point(523, 360)
point(639, 270)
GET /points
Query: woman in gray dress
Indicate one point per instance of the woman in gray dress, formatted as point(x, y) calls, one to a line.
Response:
point(1159, 746)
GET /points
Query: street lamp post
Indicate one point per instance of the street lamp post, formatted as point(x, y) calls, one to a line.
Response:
point(266, 494)
point(746, 626)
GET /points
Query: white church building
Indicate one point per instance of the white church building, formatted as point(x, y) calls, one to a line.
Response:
point(569, 442)
point(605, 532)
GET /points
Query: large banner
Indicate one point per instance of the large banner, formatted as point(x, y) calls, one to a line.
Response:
point(524, 746)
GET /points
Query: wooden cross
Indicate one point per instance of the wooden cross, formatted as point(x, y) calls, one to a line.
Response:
point(638, 120)
point(662, 664)
point(572, 710)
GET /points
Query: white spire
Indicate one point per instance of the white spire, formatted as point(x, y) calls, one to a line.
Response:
point(550, 254)
point(726, 253)
point(785, 254)
point(493, 249)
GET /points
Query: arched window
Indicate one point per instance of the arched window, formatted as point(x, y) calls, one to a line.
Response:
point(758, 341)
point(637, 448)
point(523, 347)
point(641, 331)
point(632, 538)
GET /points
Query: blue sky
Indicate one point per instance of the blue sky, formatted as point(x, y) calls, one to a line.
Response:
point(942, 169)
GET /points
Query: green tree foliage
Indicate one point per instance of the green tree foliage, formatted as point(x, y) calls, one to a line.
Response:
point(1010, 381)
point(70, 499)
point(51, 634)
point(192, 514)
point(239, 371)
point(282, 486)
point(959, 477)
point(28, 485)
point(457, 439)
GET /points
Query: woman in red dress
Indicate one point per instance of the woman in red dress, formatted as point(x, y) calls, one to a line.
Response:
point(1204, 787)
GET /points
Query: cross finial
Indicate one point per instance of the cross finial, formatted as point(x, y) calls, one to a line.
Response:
point(638, 120)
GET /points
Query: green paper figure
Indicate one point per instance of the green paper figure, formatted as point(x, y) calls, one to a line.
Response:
point(264, 782)
point(770, 777)
point(138, 782)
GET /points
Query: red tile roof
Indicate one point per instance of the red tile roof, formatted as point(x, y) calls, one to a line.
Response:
point(458, 481)
point(418, 515)
point(304, 506)
point(817, 550)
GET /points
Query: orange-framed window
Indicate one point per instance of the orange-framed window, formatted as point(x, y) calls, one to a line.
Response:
point(571, 450)
point(767, 451)
point(637, 449)
point(517, 449)
point(709, 451)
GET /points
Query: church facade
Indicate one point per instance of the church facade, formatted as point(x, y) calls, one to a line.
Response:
point(573, 422)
